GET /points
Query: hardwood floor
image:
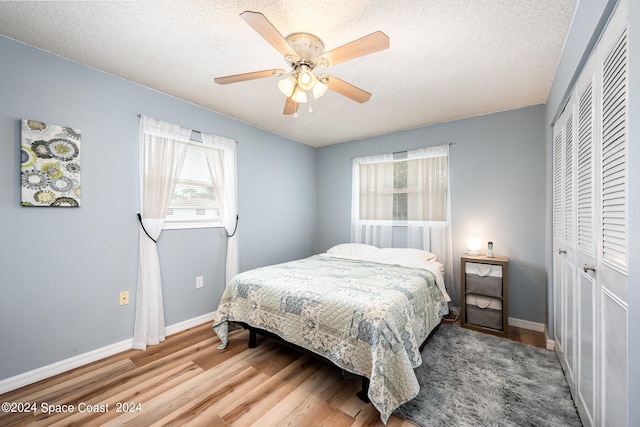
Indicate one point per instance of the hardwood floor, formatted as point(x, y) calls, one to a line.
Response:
point(186, 380)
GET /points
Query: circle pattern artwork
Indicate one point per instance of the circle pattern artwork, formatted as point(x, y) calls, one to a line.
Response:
point(50, 165)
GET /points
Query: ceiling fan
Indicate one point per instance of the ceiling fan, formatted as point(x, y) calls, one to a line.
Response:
point(304, 52)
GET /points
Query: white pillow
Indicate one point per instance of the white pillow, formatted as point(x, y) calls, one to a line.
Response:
point(407, 253)
point(352, 249)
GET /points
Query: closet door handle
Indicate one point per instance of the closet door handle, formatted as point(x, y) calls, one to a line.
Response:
point(586, 268)
point(561, 252)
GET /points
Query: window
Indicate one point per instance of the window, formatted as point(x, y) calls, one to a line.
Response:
point(187, 182)
point(404, 201)
point(403, 190)
point(400, 191)
point(193, 200)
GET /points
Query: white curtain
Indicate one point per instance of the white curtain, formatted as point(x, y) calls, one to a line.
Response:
point(372, 200)
point(429, 210)
point(161, 158)
point(222, 169)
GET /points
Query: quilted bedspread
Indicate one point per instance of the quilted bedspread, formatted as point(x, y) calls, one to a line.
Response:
point(366, 317)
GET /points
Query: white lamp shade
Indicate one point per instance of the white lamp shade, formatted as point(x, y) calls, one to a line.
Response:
point(474, 245)
point(299, 95)
point(306, 80)
point(319, 89)
point(287, 86)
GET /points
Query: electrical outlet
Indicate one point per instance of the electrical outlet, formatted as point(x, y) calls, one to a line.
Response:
point(124, 297)
point(199, 281)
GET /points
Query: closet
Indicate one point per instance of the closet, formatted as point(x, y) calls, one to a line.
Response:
point(589, 209)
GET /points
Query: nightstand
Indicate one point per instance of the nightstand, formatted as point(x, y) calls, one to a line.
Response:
point(484, 303)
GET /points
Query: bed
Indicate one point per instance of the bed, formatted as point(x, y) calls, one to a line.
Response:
point(365, 309)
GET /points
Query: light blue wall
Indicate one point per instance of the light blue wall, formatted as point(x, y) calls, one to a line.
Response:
point(497, 191)
point(61, 270)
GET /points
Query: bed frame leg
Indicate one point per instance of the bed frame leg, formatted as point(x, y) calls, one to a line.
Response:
point(364, 393)
point(253, 340)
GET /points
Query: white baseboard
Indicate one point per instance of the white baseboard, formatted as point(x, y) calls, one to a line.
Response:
point(527, 324)
point(533, 326)
point(196, 321)
point(56, 368)
point(551, 344)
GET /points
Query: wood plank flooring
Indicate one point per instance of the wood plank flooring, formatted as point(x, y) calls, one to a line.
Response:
point(186, 380)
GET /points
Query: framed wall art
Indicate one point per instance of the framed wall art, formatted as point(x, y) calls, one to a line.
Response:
point(50, 165)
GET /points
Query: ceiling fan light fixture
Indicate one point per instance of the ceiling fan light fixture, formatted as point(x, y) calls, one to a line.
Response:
point(287, 86)
point(306, 79)
point(304, 52)
point(299, 95)
point(319, 89)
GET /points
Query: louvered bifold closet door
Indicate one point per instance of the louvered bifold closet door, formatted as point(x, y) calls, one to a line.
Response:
point(564, 235)
point(586, 292)
point(559, 247)
point(612, 267)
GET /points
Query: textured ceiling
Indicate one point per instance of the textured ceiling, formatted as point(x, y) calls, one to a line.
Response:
point(448, 59)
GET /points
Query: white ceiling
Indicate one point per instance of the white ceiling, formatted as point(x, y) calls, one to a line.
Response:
point(448, 59)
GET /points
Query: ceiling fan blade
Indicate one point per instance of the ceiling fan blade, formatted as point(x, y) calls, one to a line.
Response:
point(347, 89)
point(263, 27)
point(374, 42)
point(248, 76)
point(290, 107)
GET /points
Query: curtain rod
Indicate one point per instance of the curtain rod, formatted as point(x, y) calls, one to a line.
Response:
point(405, 151)
point(196, 131)
point(192, 130)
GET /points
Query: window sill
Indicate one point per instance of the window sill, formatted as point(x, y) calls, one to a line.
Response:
point(177, 225)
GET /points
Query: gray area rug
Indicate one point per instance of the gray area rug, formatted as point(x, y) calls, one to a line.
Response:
point(468, 378)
